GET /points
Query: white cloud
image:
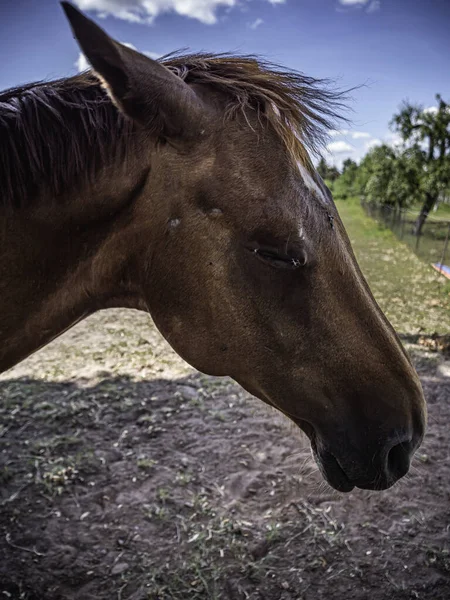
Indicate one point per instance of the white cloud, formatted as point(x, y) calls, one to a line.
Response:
point(354, 135)
point(337, 132)
point(433, 110)
point(256, 23)
point(339, 148)
point(145, 11)
point(374, 6)
point(371, 5)
point(81, 63)
point(338, 151)
point(153, 55)
point(372, 143)
point(393, 139)
point(390, 139)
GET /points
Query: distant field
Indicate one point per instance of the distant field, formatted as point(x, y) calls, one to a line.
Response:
point(414, 297)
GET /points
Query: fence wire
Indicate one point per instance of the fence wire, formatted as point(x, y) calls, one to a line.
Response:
point(432, 245)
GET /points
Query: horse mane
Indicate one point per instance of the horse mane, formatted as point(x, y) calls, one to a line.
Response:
point(52, 133)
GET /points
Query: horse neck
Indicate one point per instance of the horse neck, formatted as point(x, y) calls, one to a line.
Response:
point(61, 261)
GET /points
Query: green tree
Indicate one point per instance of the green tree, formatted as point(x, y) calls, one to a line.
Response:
point(377, 169)
point(344, 186)
point(327, 172)
point(404, 186)
point(429, 132)
point(349, 165)
point(390, 176)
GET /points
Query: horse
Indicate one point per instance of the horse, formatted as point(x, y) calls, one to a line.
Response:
point(184, 187)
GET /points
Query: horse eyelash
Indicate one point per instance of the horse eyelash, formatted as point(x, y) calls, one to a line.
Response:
point(295, 262)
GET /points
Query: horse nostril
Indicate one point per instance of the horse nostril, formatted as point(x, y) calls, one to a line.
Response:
point(398, 460)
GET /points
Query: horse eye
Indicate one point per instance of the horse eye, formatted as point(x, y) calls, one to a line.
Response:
point(277, 258)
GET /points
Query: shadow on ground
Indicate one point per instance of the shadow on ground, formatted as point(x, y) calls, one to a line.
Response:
point(190, 489)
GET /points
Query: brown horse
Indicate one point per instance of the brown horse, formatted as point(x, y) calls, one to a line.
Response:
point(185, 190)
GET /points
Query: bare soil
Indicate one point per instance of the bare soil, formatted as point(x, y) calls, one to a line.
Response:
point(126, 475)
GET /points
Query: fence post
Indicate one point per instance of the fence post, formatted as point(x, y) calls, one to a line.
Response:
point(402, 221)
point(445, 247)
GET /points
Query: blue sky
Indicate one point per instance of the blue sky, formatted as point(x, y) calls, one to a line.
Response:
point(398, 48)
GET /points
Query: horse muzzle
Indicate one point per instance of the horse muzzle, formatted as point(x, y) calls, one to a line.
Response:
point(369, 466)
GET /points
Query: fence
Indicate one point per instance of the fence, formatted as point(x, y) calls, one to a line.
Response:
point(433, 244)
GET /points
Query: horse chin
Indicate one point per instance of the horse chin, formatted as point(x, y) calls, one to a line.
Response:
point(328, 465)
point(332, 471)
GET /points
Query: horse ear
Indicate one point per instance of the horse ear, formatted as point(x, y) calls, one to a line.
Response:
point(142, 88)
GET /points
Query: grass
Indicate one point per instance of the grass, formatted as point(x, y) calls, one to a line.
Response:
point(442, 212)
point(414, 297)
point(431, 245)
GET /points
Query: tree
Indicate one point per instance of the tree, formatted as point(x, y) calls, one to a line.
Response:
point(404, 186)
point(390, 176)
point(376, 171)
point(327, 172)
point(349, 165)
point(428, 130)
point(344, 186)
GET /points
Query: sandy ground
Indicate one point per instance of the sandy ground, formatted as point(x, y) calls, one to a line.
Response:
point(126, 475)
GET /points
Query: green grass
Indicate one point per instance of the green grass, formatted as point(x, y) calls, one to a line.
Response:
point(414, 297)
point(432, 245)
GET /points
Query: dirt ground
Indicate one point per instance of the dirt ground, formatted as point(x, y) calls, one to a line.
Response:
point(126, 475)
